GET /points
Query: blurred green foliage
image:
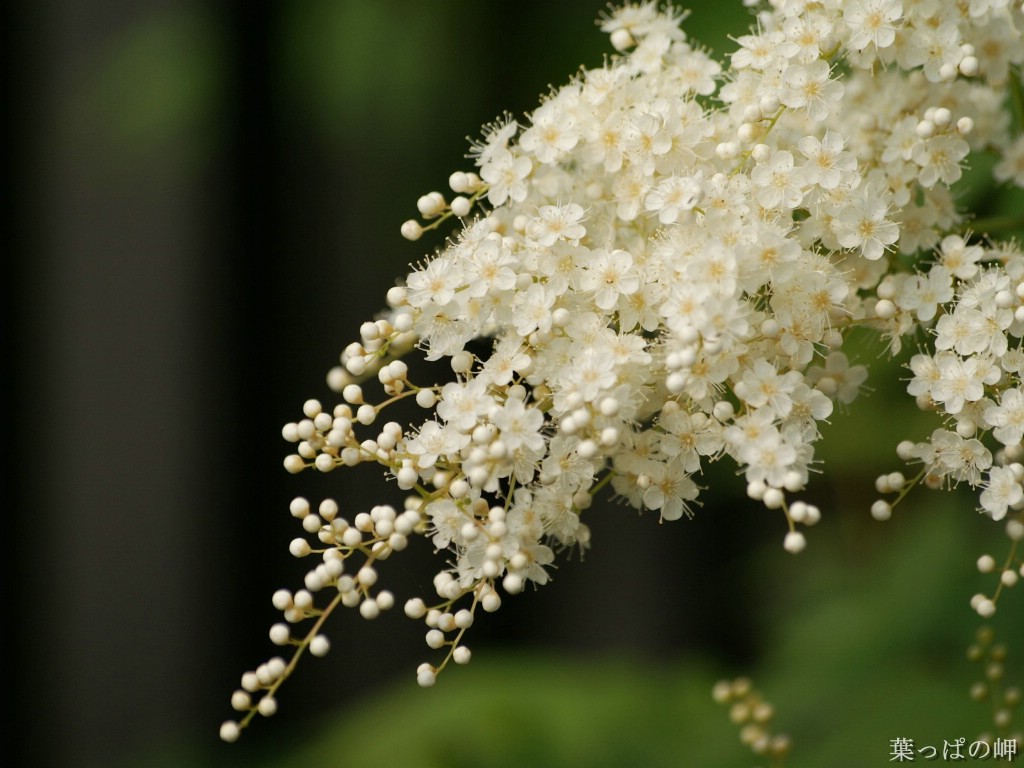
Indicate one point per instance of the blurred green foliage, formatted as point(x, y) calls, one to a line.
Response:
point(161, 86)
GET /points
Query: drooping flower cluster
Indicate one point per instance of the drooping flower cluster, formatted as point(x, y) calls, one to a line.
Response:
point(663, 262)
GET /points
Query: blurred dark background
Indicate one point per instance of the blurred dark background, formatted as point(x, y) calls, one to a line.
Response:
point(203, 202)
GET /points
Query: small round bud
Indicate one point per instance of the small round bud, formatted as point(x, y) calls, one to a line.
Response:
point(794, 542)
point(756, 490)
point(969, 67)
point(366, 414)
point(462, 362)
point(793, 481)
point(721, 692)
point(230, 731)
point(431, 204)
point(461, 206)
point(369, 609)
point(491, 602)
point(324, 463)
point(798, 511)
point(282, 599)
point(280, 634)
point(622, 39)
point(459, 182)
point(367, 576)
point(319, 646)
point(986, 563)
point(727, 150)
point(513, 583)
point(299, 507)
point(985, 608)
point(299, 547)
point(435, 638)
point(267, 706)
point(415, 608)
point(241, 701)
point(885, 309)
point(412, 230)
point(881, 510)
point(896, 481)
point(293, 464)
point(461, 655)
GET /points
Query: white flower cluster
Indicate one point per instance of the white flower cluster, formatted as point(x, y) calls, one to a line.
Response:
point(663, 262)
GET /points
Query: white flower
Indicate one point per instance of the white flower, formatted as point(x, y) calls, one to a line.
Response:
point(960, 381)
point(553, 133)
point(609, 275)
point(506, 175)
point(461, 404)
point(872, 22)
point(864, 225)
point(490, 270)
point(768, 458)
point(670, 490)
point(446, 521)
point(519, 426)
point(923, 294)
point(432, 441)
point(1007, 417)
point(939, 158)
point(781, 184)
point(556, 222)
point(961, 459)
point(762, 385)
point(809, 87)
point(1002, 491)
point(960, 258)
point(435, 283)
point(828, 165)
point(933, 47)
point(673, 196)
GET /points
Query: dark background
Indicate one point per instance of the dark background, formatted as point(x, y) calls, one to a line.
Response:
point(203, 202)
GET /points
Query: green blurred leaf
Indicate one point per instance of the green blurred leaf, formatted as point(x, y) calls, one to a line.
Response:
point(163, 81)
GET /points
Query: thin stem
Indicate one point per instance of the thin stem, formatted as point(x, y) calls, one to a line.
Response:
point(313, 632)
point(1017, 98)
point(997, 224)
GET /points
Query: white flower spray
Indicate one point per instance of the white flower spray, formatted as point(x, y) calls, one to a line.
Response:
point(665, 259)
